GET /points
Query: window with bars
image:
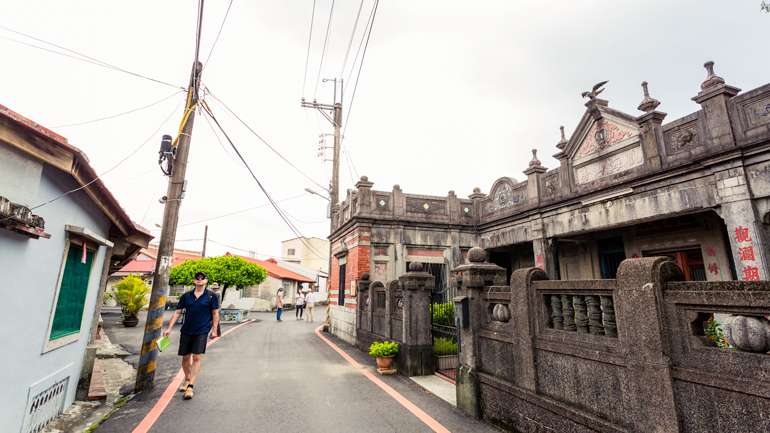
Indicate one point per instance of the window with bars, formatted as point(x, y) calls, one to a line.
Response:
point(611, 253)
point(290, 252)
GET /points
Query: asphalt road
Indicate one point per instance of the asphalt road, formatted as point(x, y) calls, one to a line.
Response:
point(268, 376)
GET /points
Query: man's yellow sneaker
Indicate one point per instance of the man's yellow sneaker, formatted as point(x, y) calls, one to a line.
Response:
point(189, 393)
point(183, 388)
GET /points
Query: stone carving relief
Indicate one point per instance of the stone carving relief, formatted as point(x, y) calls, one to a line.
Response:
point(602, 135)
point(614, 164)
point(423, 206)
point(757, 112)
point(552, 183)
point(504, 197)
point(681, 138)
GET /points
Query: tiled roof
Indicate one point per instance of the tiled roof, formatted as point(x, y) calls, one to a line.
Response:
point(276, 271)
point(143, 266)
point(152, 251)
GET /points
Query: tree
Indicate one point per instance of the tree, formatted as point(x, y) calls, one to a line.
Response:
point(226, 270)
point(765, 6)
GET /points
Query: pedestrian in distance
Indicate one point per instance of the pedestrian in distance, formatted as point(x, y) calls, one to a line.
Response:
point(309, 305)
point(299, 302)
point(279, 303)
point(201, 319)
point(215, 288)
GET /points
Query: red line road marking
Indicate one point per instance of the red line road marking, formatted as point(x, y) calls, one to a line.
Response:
point(160, 406)
point(424, 417)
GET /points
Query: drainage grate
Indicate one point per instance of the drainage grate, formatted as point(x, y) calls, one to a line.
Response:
point(43, 406)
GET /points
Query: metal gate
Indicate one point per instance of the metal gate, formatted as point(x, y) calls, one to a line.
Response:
point(442, 326)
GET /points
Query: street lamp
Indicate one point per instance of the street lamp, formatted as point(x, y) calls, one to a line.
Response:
point(319, 195)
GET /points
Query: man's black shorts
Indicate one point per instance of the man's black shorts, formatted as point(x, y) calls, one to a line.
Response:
point(195, 344)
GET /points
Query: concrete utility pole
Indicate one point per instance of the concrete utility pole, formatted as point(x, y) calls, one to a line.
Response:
point(205, 237)
point(335, 117)
point(145, 375)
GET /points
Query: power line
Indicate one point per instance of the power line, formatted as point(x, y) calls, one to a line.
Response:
point(360, 46)
point(323, 52)
point(117, 115)
point(247, 251)
point(275, 205)
point(360, 65)
point(260, 138)
point(220, 142)
point(307, 57)
point(241, 211)
point(352, 34)
point(219, 33)
point(92, 60)
point(99, 176)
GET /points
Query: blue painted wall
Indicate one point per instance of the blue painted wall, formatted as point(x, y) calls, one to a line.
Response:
point(30, 270)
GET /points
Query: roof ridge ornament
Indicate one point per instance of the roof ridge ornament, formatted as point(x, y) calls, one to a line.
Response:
point(593, 93)
point(712, 79)
point(535, 161)
point(648, 104)
point(563, 142)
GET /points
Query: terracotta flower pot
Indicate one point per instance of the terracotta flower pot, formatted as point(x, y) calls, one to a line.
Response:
point(384, 362)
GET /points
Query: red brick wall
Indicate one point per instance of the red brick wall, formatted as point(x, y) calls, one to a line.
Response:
point(357, 263)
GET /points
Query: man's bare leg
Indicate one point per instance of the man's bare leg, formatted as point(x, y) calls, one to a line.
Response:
point(187, 362)
point(195, 367)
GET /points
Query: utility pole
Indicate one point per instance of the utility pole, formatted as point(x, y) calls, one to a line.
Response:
point(334, 116)
point(145, 375)
point(205, 236)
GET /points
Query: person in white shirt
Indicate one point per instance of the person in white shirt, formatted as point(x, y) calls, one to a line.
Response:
point(309, 304)
point(299, 304)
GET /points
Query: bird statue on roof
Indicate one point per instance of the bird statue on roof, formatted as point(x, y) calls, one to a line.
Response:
point(593, 93)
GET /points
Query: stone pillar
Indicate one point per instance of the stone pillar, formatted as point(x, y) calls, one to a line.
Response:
point(471, 280)
point(544, 259)
point(641, 324)
point(651, 130)
point(534, 172)
point(365, 196)
point(713, 98)
point(415, 356)
point(364, 306)
point(522, 315)
point(749, 245)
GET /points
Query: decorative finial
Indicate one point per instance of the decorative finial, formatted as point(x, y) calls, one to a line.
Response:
point(534, 161)
point(712, 79)
point(648, 104)
point(364, 178)
point(476, 190)
point(563, 141)
point(415, 267)
point(477, 255)
point(593, 93)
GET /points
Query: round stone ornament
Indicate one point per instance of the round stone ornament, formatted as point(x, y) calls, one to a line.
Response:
point(748, 333)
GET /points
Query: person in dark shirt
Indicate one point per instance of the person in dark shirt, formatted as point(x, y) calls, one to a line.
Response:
point(201, 318)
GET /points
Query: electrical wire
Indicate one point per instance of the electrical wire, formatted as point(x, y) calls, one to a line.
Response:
point(360, 66)
point(352, 34)
point(117, 115)
point(360, 46)
point(323, 52)
point(198, 32)
point(241, 249)
point(219, 33)
point(222, 144)
point(275, 205)
point(241, 211)
point(152, 199)
point(307, 57)
point(99, 176)
point(91, 59)
point(260, 138)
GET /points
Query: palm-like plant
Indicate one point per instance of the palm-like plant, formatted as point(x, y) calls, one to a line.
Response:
point(131, 293)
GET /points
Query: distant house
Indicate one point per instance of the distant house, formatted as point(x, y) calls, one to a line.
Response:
point(311, 253)
point(263, 297)
point(144, 265)
point(61, 235)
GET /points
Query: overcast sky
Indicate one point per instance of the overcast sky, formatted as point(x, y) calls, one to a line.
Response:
point(452, 95)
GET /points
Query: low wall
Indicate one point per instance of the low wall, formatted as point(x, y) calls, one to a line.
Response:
point(343, 323)
point(625, 355)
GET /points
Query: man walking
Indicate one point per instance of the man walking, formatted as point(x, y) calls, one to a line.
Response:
point(309, 304)
point(215, 288)
point(201, 318)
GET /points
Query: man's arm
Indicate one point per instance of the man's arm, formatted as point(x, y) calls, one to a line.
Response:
point(215, 322)
point(174, 318)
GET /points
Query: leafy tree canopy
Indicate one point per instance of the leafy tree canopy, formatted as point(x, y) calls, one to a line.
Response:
point(225, 270)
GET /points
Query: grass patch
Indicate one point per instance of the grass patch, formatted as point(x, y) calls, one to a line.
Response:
point(119, 403)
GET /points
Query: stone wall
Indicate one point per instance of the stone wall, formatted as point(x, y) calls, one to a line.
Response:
point(625, 355)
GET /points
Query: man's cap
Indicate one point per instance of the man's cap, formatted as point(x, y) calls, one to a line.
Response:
point(215, 286)
point(205, 275)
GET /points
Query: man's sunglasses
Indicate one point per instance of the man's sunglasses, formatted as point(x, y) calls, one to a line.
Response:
point(200, 278)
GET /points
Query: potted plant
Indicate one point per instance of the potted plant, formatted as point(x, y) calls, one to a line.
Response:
point(446, 353)
point(384, 353)
point(131, 293)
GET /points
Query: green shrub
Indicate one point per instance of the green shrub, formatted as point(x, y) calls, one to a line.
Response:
point(444, 346)
point(383, 349)
point(131, 293)
point(443, 314)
